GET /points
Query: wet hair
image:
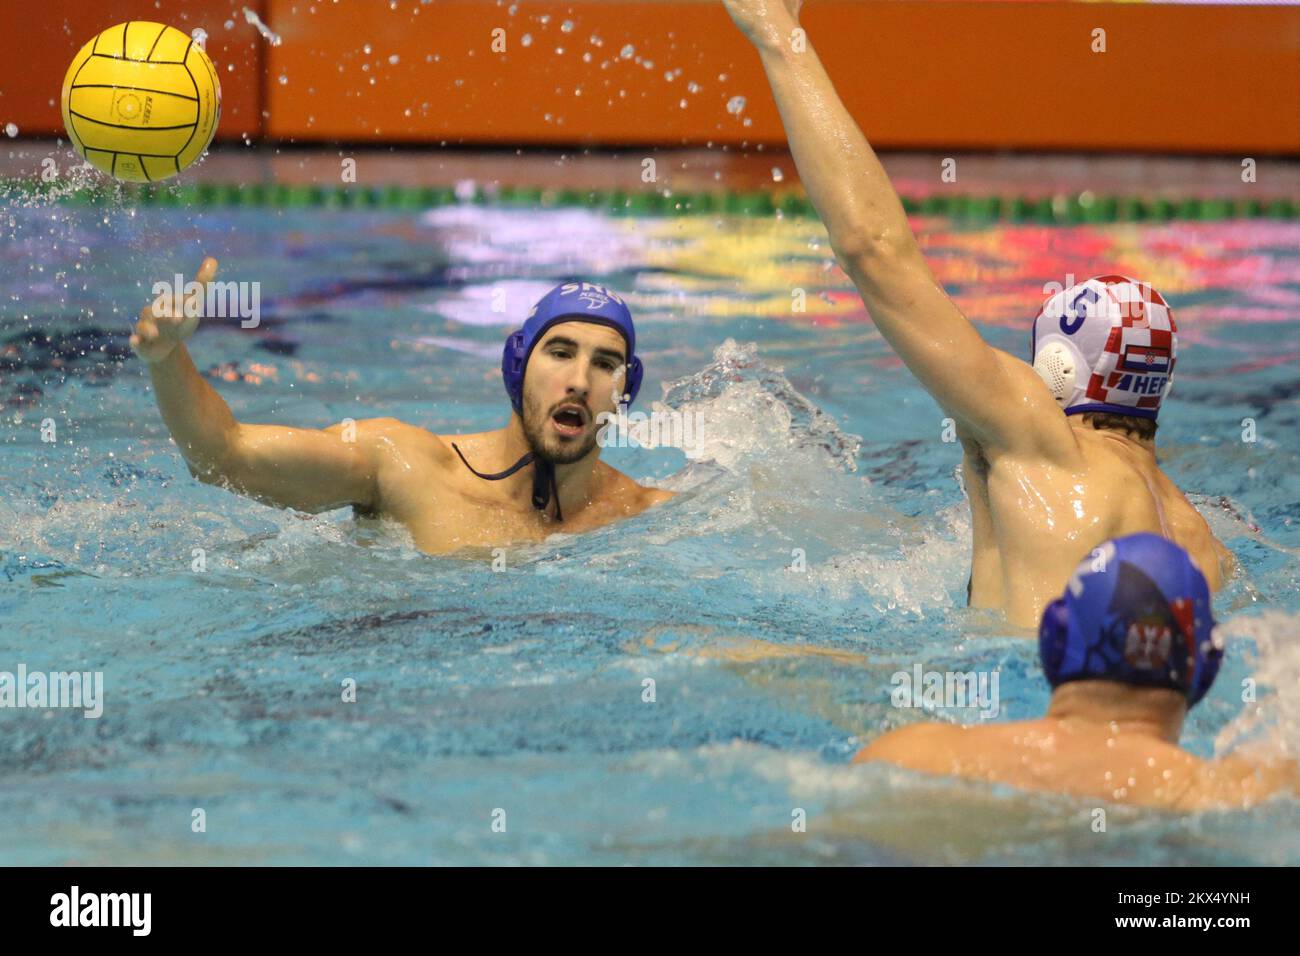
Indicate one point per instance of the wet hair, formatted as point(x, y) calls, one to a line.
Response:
point(1143, 429)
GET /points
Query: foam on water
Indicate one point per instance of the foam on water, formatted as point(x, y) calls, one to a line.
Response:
point(1269, 723)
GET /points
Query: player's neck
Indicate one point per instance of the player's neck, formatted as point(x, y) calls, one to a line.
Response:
point(1127, 439)
point(576, 482)
point(1151, 712)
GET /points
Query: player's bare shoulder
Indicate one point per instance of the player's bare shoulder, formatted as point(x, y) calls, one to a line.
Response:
point(392, 441)
point(1238, 783)
point(629, 496)
point(652, 496)
point(927, 746)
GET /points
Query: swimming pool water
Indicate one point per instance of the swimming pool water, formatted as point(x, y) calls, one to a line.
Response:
point(523, 690)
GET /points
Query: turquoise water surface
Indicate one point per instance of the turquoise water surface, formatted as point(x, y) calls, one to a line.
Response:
point(524, 690)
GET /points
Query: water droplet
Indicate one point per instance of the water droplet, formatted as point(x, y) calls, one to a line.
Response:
point(566, 26)
point(283, 79)
point(366, 48)
point(627, 52)
point(736, 105)
point(268, 34)
point(394, 59)
point(527, 39)
point(11, 130)
point(692, 87)
point(777, 175)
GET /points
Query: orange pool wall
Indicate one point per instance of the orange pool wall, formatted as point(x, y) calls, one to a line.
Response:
point(979, 74)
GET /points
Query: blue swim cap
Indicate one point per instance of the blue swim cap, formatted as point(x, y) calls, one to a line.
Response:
point(570, 302)
point(1136, 611)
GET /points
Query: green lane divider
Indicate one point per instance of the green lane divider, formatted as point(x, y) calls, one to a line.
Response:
point(1063, 209)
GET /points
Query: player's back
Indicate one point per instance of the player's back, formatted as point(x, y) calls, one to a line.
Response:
point(1035, 519)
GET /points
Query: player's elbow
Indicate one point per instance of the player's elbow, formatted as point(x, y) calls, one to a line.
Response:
point(216, 466)
point(867, 251)
point(210, 471)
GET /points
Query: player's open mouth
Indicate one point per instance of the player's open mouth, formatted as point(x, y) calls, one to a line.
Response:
point(569, 420)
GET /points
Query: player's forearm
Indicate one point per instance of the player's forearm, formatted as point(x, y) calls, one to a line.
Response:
point(198, 418)
point(844, 179)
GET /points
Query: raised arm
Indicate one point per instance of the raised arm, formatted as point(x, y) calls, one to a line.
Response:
point(992, 394)
point(303, 468)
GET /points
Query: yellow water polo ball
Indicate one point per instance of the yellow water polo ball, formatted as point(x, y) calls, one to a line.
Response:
point(141, 101)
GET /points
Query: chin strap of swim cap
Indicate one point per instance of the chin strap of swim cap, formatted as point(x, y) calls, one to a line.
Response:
point(544, 484)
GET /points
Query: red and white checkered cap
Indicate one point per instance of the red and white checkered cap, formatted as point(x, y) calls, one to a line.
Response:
point(1107, 344)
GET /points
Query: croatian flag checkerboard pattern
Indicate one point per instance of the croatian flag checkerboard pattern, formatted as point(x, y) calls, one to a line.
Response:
point(1139, 353)
point(1122, 335)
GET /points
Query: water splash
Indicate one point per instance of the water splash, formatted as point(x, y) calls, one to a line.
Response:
point(1269, 726)
point(751, 409)
point(769, 463)
point(268, 34)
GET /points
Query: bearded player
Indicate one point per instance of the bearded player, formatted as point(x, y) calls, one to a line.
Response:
point(539, 474)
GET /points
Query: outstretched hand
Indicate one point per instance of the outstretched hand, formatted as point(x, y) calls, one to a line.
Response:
point(765, 22)
point(167, 321)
